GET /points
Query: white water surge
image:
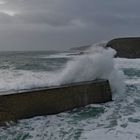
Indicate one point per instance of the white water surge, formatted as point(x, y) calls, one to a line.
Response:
point(96, 63)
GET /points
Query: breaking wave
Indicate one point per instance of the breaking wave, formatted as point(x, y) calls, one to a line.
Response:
point(94, 63)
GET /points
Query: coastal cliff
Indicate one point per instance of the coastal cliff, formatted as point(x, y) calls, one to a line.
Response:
point(126, 47)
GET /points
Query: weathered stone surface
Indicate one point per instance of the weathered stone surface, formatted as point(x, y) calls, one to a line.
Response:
point(126, 47)
point(6, 117)
point(53, 100)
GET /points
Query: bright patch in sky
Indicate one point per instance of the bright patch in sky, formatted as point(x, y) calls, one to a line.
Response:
point(2, 2)
point(10, 13)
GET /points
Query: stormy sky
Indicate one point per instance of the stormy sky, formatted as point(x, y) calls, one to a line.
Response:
point(61, 24)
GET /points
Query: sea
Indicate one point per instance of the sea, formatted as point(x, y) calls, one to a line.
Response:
point(115, 120)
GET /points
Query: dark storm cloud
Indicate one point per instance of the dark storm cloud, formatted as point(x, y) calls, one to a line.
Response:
point(60, 24)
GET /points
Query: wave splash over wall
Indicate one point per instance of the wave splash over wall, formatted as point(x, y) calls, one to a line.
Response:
point(96, 63)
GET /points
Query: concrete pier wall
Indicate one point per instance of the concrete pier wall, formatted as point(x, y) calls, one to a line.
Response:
point(53, 100)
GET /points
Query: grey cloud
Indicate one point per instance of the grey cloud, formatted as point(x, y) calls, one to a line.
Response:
point(4, 18)
point(60, 24)
point(43, 18)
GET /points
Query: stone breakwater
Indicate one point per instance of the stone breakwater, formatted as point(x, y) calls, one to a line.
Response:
point(52, 100)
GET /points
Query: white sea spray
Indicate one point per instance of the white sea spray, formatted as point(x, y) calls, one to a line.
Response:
point(96, 63)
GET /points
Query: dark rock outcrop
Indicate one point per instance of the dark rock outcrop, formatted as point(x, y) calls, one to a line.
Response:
point(126, 47)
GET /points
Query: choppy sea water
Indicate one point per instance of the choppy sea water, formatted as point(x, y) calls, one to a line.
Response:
point(116, 120)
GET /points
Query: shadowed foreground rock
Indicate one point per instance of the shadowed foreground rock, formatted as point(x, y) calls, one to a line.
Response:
point(52, 100)
point(126, 47)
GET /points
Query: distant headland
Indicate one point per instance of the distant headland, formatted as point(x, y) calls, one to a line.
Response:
point(128, 47)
